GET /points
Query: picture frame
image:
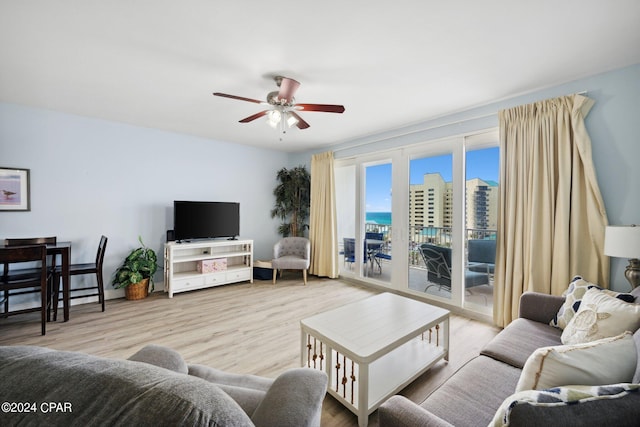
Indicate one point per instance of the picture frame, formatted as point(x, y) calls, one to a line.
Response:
point(15, 193)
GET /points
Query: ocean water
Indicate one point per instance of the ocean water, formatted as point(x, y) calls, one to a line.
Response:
point(382, 218)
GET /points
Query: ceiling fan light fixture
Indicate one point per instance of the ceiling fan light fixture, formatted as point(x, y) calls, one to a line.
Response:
point(291, 119)
point(283, 112)
point(273, 118)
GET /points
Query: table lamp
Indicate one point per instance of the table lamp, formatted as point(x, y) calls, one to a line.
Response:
point(623, 241)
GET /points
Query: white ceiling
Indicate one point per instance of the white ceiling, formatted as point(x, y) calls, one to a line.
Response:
point(155, 63)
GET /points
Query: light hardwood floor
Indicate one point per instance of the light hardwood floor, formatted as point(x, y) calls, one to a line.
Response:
point(243, 328)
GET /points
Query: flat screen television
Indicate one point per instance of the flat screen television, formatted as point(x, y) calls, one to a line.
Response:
point(205, 220)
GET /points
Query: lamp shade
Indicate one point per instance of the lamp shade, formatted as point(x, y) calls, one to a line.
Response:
point(622, 241)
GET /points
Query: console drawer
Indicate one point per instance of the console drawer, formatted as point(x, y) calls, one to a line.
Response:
point(186, 284)
point(215, 279)
point(238, 275)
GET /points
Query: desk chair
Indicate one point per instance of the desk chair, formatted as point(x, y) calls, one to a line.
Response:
point(36, 278)
point(16, 274)
point(79, 269)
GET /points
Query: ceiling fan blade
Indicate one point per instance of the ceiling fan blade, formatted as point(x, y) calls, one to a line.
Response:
point(255, 116)
point(241, 98)
point(288, 88)
point(301, 123)
point(326, 108)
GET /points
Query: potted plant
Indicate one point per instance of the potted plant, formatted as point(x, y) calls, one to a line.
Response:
point(136, 272)
point(293, 196)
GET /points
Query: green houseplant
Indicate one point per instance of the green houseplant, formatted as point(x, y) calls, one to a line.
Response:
point(293, 196)
point(136, 272)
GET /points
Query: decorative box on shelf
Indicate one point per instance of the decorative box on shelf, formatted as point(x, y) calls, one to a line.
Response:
point(212, 265)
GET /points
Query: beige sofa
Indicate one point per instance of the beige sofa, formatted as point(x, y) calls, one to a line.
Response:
point(474, 394)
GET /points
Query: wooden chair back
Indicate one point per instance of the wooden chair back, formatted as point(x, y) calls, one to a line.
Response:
point(10, 255)
point(31, 241)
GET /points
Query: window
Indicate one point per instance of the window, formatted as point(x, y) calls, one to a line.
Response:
point(442, 197)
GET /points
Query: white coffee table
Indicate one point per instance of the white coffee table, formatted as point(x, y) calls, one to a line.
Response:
point(373, 348)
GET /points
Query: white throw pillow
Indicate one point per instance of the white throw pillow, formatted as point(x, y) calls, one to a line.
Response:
point(601, 315)
point(606, 361)
point(573, 297)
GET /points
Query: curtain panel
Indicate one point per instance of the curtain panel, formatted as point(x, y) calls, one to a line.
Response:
point(551, 218)
point(322, 218)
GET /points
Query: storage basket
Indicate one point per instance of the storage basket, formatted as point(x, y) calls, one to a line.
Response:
point(262, 270)
point(138, 290)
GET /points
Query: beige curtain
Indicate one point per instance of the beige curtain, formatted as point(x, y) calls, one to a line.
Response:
point(322, 218)
point(551, 217)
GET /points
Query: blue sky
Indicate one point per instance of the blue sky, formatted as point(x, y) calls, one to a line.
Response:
point(483, 164)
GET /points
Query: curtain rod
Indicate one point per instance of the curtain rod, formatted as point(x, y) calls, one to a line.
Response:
point(455, 122)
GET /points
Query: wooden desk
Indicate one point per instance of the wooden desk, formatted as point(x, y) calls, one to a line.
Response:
point(64, 250)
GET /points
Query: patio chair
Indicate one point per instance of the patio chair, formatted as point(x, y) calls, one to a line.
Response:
point(482, 256)
point(438, 262)
point(373, 248)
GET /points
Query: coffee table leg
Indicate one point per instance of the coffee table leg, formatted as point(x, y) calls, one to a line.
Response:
point(445, 338)
point(363, 394)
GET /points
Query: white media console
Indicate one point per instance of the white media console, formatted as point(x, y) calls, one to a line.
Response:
point(206, 263)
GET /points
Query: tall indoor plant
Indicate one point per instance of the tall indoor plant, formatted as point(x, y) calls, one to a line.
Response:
point(136, 273)
point(293, 196)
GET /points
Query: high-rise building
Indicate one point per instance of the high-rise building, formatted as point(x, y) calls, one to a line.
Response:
point(481, 204)
point(431, 203)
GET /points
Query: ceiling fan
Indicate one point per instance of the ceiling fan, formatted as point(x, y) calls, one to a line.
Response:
point(284, 110)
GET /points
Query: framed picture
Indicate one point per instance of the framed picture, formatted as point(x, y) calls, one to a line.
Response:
point(14, 189)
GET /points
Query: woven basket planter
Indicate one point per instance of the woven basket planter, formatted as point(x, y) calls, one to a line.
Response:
point(138, 290)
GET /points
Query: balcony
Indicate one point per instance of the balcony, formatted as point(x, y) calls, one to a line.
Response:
point(480, 296)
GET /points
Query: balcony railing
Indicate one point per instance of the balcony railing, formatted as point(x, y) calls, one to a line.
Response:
point(440, 236)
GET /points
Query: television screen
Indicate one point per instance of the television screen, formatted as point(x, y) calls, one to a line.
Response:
point(205, 220)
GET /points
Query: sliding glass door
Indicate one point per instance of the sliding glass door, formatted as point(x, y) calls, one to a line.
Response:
point(376, 240)
point(435, 238)
point(431, 224)
point(481, 223)
point(363, 200)
point(346, 205)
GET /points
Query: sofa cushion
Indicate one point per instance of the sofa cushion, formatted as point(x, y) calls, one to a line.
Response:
point(105, 391)
point(474, 393)
point(601, 315)
point(589, 363)
point(247, 390)
point(578, 287)
point(163, 357)
point(575, 399)
point(515, 343)
point(293, 400)
point(400, 411)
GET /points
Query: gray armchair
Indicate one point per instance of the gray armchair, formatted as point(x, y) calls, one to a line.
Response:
point(291, 253)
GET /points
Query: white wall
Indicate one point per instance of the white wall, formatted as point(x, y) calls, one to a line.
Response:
point(613, 125)
point(91, 177)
